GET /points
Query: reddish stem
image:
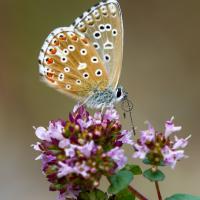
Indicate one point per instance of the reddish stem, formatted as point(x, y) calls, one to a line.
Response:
point(136, 193)
point(158, 190)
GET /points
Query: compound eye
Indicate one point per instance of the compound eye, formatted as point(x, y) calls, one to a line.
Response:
point(119, 92)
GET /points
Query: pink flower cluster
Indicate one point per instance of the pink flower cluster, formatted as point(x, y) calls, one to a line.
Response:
point(77, 152)
point(160, 148)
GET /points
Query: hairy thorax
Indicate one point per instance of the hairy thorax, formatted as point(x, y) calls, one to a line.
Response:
point(100, 99)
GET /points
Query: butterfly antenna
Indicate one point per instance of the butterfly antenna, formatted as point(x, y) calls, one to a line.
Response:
point(127, 107)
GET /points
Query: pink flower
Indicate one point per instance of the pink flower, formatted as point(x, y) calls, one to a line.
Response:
point(181, 143)
point(118, 156)
point(64, 170)
point(87, 149)
point(56, 130)
point(97, 118)
point(64, 143)
point(158, 148)
point(140, 151)
point(148, 135)
point(171, 128)
point(42, 134)
point(85, 124)
point(76, 152)
point(171, 157)
point(111, 114)
point(69, 194)
point(126, 137)
point(82, 169)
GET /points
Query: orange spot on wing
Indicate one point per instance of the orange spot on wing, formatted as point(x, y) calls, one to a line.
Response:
point(49, 61)
point(84, 40)
point(74, 38)
point(53, 51)
point(50, 75)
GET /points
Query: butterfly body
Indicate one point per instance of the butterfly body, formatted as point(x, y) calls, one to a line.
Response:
point(106, 98)
point(84, 60)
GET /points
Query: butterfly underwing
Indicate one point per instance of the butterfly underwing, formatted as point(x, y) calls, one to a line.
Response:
point(84, 60)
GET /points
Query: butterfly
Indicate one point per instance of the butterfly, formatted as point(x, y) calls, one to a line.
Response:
point(84, 60)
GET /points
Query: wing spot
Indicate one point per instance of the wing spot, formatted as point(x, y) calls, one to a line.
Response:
point(49, 61)
point(61, 77)
point(98, 72)
point(89, 20)
point(97, 35)
point(82, 66)
point(114, 32)
point(94, 59)
point(102, 27)
point(84, 40)
point(112, 9)
point(71, 48)
point(104, 10)
point(96, 15)
point(83, 52)
point(108, 27)
point(96, 45)
point(108, 45)
point(82, 27)
point(55, 42)
point(107, 58)
point(66, 51)
point(70, 34)
point(67, 69)
point(63, 59)
point(61, 36)
point(68, 87)
point(78, 82)
point(86, 75)
point(51, 50)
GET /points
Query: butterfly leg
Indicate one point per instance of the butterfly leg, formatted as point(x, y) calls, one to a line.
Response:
point(103, 108)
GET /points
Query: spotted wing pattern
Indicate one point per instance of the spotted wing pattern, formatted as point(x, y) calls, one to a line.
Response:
point(69, 63)
point(103, 26)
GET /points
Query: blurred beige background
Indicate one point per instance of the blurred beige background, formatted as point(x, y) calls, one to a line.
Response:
point(161, 71)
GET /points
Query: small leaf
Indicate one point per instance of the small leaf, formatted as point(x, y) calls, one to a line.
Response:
point(146, 161)
point(154, 176)
point(125, 195)
point(183, 197)
point(135, 169)
point(93, 195)
point(120, 181)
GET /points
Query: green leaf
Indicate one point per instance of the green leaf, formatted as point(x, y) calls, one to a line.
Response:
point(146, 161)
point(93, 195)
point(135, 169)
point(125, 195)
point(154, 176)
point(120, 181)
point(183, 197)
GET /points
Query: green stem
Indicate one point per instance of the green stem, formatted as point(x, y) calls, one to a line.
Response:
point(158, 190)
point(136, 193)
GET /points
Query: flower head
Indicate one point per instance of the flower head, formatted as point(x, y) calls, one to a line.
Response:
point(158, 148)
point(76, 153)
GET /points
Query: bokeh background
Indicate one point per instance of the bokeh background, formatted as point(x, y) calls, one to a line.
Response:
point(161, 71)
